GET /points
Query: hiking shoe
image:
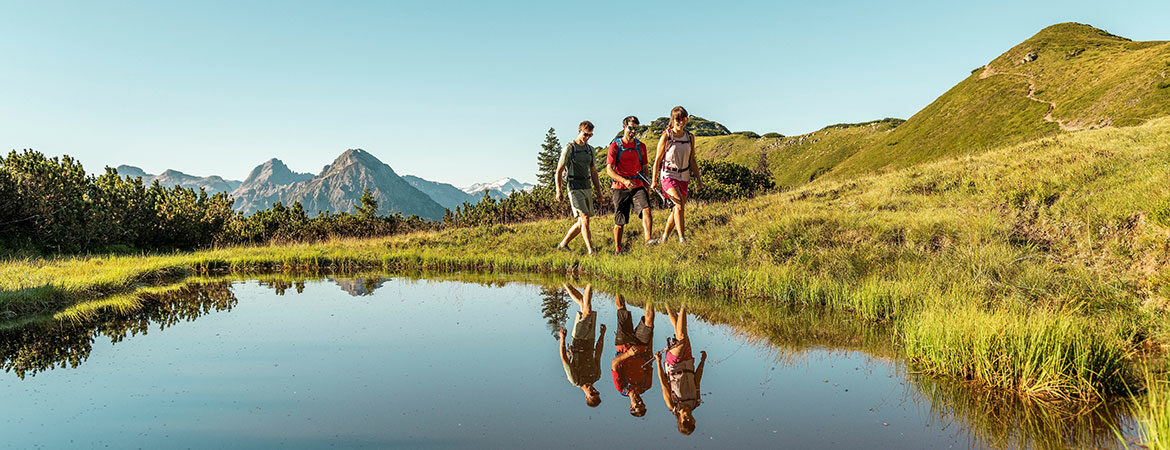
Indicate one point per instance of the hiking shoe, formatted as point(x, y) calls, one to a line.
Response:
point(619, 251)
point(654, 241)
point(682, 241)
point(564, 248)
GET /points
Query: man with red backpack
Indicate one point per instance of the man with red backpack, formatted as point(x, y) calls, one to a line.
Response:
point(625, 161)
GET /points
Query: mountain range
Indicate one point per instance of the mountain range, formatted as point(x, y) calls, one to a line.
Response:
point(337, 188)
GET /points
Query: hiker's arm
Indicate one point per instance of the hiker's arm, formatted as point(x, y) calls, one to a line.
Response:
point(596, 180)
point(699, 371)
point(665, 385)
point(624, 181)
point(658, 155)
point(557, 178)
point(622, 357)
point(561, 347)
point(694, 165)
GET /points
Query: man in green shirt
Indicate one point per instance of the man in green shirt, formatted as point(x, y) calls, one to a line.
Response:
point(577, 160)
point(582, 358)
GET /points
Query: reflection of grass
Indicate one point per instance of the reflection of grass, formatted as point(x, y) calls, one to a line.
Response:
point(1153, 410)
point(1001, 420)
point(1031, 268)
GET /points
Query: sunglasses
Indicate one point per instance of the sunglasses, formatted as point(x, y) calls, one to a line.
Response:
point(632, 127)
point(588, 134)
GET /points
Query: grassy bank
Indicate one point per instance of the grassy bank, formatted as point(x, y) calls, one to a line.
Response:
point(1039, 268)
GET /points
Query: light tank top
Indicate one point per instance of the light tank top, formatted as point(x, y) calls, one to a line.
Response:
point(676, 163)
point(682, 384)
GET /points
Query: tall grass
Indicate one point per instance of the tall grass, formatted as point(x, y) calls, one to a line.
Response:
point(1031, 268)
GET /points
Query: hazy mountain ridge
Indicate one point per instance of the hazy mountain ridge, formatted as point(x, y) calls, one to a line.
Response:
point(265, 185)
point(444, 194)
point(340, 184)
point(212, 184)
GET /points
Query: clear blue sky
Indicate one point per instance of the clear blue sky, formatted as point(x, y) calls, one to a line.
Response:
point(463, 92)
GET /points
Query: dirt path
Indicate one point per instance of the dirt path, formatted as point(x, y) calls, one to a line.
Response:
point(988, 72)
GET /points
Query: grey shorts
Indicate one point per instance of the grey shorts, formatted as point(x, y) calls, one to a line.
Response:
point(582, 201)
point(628, 334)
point(585, 327)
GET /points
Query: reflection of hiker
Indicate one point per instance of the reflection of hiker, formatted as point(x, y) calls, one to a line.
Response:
point(582, 358)
point(676, 159)
point(631, 363)
point(626, 158)
point(677, 376)
point(577, 160)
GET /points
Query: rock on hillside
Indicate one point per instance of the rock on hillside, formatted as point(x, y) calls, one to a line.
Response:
point(267, 184)
point(444, 194)
point(339, 187)
point(1067, 77)
point(212, 184)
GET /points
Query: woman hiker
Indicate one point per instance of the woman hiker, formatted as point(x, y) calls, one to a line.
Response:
point(677, 374)
point(577, 160)
point(675, 162)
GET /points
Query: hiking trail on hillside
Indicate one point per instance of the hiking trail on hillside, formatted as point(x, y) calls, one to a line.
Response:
point(988, 71)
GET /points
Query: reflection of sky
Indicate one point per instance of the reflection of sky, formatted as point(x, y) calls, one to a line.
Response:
point(438, 364)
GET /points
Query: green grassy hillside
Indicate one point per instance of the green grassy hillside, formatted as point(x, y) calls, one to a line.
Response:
point(1068, 76)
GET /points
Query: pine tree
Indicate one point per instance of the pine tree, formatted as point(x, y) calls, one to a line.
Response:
point(368, 209)
point(546, 161)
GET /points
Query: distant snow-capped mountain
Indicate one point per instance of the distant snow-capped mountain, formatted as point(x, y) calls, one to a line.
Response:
point(498, 188)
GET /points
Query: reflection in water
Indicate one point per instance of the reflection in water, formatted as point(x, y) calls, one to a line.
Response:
point(1003, 420)
point(554, 307)
point(633, 362)
point(677, 374)
point(67, 343)
point(582, 357)
point(990, 418)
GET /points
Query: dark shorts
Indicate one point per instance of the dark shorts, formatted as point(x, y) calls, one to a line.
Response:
point(623, 199)
point(628, 334)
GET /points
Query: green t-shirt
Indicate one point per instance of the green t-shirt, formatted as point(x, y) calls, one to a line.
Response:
point(578, 159)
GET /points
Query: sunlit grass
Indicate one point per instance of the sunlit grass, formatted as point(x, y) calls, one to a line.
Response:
point(1038, 268)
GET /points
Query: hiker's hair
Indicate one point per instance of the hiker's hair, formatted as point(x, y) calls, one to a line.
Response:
point(585, 126)
point(685, 426)
point(593, 400)
point(630, 119)
point(638, 411)
point(678, 113)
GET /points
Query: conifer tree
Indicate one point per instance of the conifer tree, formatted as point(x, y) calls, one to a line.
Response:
point(550, 154)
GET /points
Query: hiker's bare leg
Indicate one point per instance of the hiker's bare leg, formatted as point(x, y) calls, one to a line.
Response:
point(675, 212)
point(669, 226)
point(680, 221)
point(680, 331)
point(670, 315)
point(647, 223)
point(587, 301)
point(648, 315)
point(572, 233)
point(619, 301)
point(617, 237)
point(583, 221)
point(575, 295)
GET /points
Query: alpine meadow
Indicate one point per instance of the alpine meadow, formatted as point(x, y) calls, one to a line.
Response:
point(1013, 234)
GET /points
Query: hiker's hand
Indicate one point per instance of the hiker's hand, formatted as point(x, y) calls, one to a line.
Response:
point(698, 184)
point(559, 197)
point(654, 184)
point(603, 328)
point(702, 355)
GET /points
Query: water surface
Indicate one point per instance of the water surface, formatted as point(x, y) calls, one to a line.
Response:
point(394, 362)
